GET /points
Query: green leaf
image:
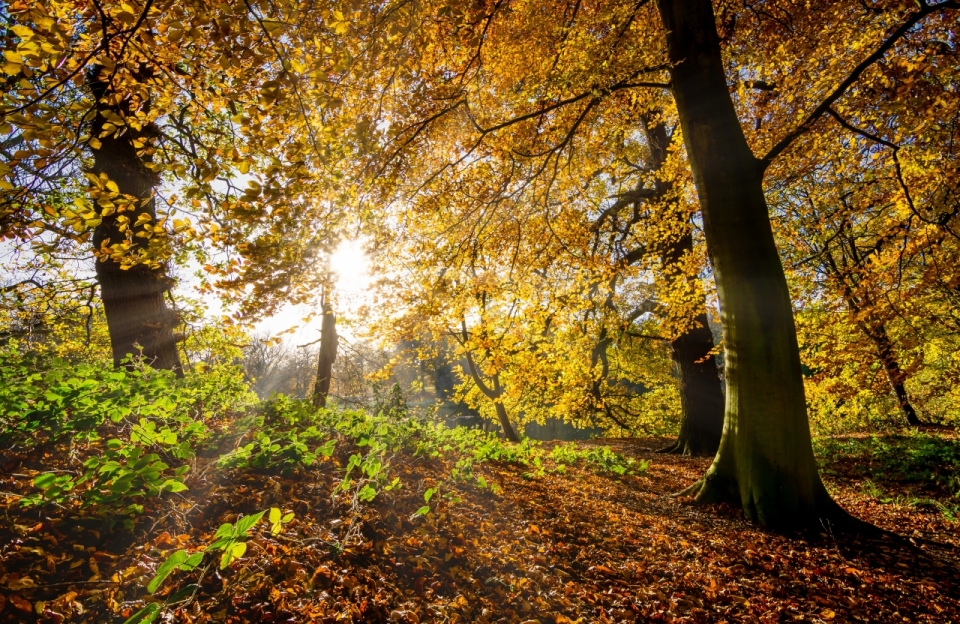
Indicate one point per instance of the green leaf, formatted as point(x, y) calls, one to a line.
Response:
point(172, 485)
point(45, 481)
point(274, 515)
point(225, 530)
point(232, 553)
point(221, 543)
point(123, 484)
point(246, 522)
point(354, 461)
point(192, 561)
point(422, 511)
point(147, 614)
point(327, 448)
point(429, 494)
point(166, 569)
point(367, 494)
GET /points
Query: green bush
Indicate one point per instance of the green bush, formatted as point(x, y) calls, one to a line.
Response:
point(139, 428)
point(155, 423)
point(43, 400)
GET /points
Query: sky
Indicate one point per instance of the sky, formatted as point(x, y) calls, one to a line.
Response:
point(352, 268)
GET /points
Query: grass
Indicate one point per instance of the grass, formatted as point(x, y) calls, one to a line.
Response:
point(916, 469)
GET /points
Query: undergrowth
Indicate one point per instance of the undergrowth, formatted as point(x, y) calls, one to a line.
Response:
point(929, 464)
point(126, 437)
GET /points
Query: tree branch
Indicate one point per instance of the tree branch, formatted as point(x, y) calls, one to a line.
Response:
point(824, 106)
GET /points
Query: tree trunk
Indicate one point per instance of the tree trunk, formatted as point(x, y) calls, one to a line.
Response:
point(495, 394)
point(895, 375)
point(701, 396)
point(138, 319)
point(878, 335)
point(328, 354)
point(765, 461)
point(508, 431)
point(701, 393)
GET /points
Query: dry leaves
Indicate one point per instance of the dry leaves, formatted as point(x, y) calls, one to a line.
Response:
point(559, 548)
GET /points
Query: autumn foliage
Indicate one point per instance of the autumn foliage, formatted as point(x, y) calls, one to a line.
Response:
point(722, 229)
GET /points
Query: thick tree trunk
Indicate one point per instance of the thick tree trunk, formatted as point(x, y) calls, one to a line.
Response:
point(138, 319)
point(701, 393)
point(765, 461)
point(895, 375)
point(701, 396)
point(328, 354)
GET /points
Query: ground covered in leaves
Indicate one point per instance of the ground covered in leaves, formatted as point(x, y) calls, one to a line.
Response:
point(560, 546)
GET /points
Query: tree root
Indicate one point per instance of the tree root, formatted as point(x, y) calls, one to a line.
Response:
point(682, 446)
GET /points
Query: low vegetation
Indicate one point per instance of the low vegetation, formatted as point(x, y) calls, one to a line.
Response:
point(132, 495)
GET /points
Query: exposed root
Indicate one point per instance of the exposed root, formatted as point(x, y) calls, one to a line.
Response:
point(692, 490)
point(675, 448)
point(683, 446)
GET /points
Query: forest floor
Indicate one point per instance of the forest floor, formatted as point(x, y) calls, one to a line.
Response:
point(564, 547)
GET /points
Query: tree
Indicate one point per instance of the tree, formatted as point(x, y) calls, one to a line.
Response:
point(840, 252)
point(491, 387)
point(692, 347)
point(175, 101)
point(766, 458)
point(139, 320)
point(326, 356)
point(467, 123)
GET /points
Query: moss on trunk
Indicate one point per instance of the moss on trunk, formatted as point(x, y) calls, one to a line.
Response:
point(765, 461)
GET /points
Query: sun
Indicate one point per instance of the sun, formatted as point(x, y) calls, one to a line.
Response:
point(351, 265)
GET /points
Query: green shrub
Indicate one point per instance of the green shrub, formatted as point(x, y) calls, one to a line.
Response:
point(155, 422)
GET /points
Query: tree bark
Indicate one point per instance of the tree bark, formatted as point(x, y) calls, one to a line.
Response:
point(138, 319)
point(701, 396)
point(508, 431)
point(765, 461)
point(328, 354)
point(495, 394)
point(895, 375)
point(701, 393)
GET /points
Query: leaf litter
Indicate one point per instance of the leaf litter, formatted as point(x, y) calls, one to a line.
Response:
point(575, 546)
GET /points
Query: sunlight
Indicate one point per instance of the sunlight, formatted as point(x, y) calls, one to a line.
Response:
point(351, 265)
point(351, 268)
